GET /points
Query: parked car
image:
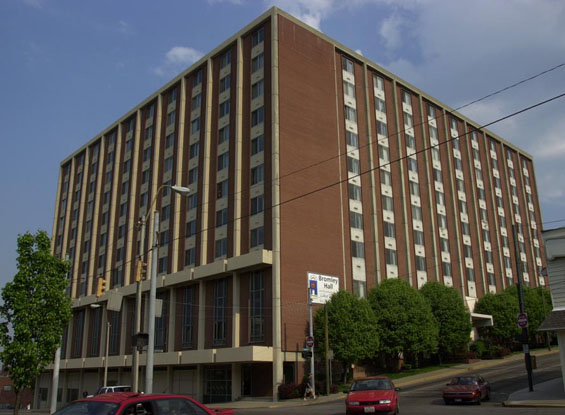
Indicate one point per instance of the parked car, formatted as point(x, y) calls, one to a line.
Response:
point(111, 389)
point(129, 403)
point(471, 389)
point(372, 395)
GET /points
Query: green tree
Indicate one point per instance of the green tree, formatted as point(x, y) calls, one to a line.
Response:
point(537, 304)
point(451, 315)
point(34, 312)
point(352, 329)
point(504, 309)
point(405, 319)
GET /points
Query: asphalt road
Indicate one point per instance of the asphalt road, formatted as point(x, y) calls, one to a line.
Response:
point(426, 398)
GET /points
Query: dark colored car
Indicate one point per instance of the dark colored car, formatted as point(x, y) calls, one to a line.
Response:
point(472, 389)
point(129, 403)
point(374, 395)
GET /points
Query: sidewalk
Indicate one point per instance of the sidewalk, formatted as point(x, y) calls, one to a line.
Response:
point(547, 394)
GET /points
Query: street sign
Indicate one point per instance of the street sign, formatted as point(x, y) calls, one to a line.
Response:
point(522, 320)
point(322, 287)
point(309, 341)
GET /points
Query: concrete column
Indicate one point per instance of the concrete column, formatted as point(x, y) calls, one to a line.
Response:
point(199, 383)
point(172, 320)
point(236, 311)
point(235, 381)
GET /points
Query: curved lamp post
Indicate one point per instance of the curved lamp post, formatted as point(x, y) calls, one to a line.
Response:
point(184, 191)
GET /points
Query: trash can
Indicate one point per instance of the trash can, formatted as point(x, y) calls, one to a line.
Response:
point(534, 363)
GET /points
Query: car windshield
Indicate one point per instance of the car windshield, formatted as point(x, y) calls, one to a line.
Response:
point(371, 384)
point(89, 408)
point(464, 381)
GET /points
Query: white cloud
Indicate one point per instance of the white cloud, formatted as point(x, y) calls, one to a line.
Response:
point(359, 51)
point(177, 59)
point(390, 30)
point(124, 27)
point(311, 12)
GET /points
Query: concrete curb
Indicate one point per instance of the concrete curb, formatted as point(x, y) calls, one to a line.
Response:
point(535, 404)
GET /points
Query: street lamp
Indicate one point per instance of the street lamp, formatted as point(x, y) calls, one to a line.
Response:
point(152, 290)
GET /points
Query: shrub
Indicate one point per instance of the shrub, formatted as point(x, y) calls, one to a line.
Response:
point(480, 348)
point(291, 390)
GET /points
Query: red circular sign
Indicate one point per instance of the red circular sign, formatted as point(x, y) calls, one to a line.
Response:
point(309, 341)
point(522, 320)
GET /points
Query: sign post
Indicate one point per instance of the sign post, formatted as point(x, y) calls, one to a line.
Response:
point(320, 289)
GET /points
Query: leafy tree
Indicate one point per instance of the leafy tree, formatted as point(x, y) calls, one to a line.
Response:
point(504, 309)
point(451, 315)
point(405, 319)
point(35, 311)
point(352, 328)
point(537, 304)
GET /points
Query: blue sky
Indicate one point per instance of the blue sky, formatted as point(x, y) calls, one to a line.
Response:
point(71, 68)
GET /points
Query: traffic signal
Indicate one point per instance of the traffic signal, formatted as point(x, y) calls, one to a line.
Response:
point(141, 270)
point(101, 287)
point(306, 353)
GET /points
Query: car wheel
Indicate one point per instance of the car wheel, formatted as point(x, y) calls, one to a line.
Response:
point(446, 401)
point(487, 398)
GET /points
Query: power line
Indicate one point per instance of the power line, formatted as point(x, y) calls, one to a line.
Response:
point(374, 168)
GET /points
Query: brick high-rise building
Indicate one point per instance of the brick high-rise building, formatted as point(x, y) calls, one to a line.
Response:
point(301, 156)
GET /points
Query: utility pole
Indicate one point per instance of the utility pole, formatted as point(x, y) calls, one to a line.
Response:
point(312, 348)
point(138, 295)
point(327, 351)
point(525, 344)
point(152, 298)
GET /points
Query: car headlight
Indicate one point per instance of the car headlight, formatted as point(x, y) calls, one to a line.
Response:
point(353, 403)
point(384, 401)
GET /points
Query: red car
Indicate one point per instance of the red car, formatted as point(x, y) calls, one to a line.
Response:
point(129, 403)
point(374, 395)
point(471, 389)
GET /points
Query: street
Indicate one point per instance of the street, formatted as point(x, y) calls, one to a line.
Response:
point(426, 398)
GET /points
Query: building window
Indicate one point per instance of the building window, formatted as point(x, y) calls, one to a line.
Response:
point(194, 150)
point(257, 89)
point(258, 144)
point(224, 134)
point(166, 212)
point(347, 65)
point(387, 203)
point(219, 321)
point(171, 116)
point(350, 114)
point(197, 79)
point(190, 257)
point(348, 89)
point(257, 37)
point(221, 247)
point(195, 125)
point(354, 192)
point(257, 204)
point(223, 161)
point(446, 269)
point(416, 213)
point(187, 316)
point(191, 228)
point(352, 139)
point(161, 324)
point(389, 229)
point(380, 105)
point(192, 202)
point(257, 306)
point(379, 83)
point(149, 133)
point(384, 153)
point(390, 257)
point(420, 263)
point(196, 102)
point(225, 83)
point(382, 129)
point(258, 116)
point(150, 111)
point(78, 326)
point(226, 59)
point(357, 249)
point(170, 140)
point(168, 164)
point(147, 155)
point(257, 174)
point(221, 217)
point(172, 96)
point(193, 175)
point(257, 237)
point(114, 343)
point(163, 265)
point(258, 62)
point(225, 108)
point(353, 165)
point(222, 189)
point(406, 99)
point(145, 176)
point(164, 238)
point(356, 220)
point(96, 316)
point(418, 237)
point(386, 178)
